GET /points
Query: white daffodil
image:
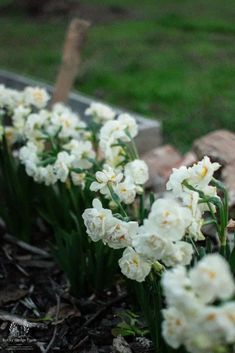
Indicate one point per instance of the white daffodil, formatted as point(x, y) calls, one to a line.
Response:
point(193, 295)
point(134, 266)
point(9, 98)
point(201, 173)
point(175, 182)
point(62, 165)
point(83, 153)
point(151, 245)
point(19, 118)
point(126, 191)
point(211, 279)
point(137, 170)
point(181, 254)
point(170, 219)
point(100, 112)
point(78, 179)
point(107, 176)
point(121, 234)
point(36, 96)
point(123, 129)
point(97, 220)
point(173, 327)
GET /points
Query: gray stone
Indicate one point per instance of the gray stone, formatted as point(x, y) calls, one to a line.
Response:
point(149, 130)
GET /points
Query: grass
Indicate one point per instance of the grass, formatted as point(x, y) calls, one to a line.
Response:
point(170, 60)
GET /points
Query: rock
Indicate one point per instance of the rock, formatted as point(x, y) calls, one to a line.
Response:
point(160, 161)
point(228, 177)
point(120, 345)
point(188, 159)
point(218, 145)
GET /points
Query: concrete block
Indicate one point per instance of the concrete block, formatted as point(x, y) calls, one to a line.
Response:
point(149, 130)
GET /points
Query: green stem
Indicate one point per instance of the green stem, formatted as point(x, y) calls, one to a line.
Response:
point(116, 199)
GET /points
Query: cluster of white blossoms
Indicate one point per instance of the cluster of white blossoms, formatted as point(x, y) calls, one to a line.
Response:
point(33, 97)
point(57, 144)
point(17, 105)
point(114, 138)
point(198, 177)
point(200, 311)
point(100, 112)
point(123, 172)
point(102, 225)
point(159, 239)
point(166, 237)
point(125, 182)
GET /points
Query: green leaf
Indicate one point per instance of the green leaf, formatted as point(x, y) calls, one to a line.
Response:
point(232, 260)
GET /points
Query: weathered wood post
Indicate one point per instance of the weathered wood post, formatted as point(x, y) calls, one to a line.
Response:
point(70, 60)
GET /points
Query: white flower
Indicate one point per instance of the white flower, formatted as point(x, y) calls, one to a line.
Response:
point(133, 265)
point(46, 175)
point(83, 153)
point(61, 108)
point(228, 311)
point(19, 118)
point(201, 173)
point(121, 234)
point(214, 323)
point(97, 220)
point(36, 96)
point(150, 244)
point(128, 123)
point(169, 218)
point(114, 156)
point(137, 170)
point(177, 177)
point(211, 279)
point(107, 176)
point(62, 165)
point(9, 98)
point(124, 129)
point(100, 112)
point(35, 123)
point(178, 291)
point(68, 122)
point(210, 324)
point(28, 153)
point(198, 176)
point(174, 327)
point(181, 254)
point(126, 191)
point(79, 179)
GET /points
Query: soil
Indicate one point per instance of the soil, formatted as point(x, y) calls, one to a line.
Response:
point(33, 288)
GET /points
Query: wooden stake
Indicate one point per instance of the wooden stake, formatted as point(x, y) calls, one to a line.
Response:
point(71, 59)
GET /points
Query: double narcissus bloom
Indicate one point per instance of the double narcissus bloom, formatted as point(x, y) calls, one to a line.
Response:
point(201, 307)
point(173, 223)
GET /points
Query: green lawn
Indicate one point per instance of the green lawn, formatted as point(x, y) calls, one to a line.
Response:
point(173, 60)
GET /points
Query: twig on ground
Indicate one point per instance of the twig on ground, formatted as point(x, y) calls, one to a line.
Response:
point(11, 259)
point(103, 309)
point(55, 329)
point(26, 246)
point(5, 316)
point(81, 343)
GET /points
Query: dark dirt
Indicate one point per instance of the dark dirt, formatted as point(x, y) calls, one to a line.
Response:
point(33, 288)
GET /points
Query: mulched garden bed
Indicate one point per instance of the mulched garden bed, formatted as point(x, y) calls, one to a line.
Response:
point(32, 287)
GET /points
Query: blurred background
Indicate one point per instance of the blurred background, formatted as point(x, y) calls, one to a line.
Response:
point(169, 60)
